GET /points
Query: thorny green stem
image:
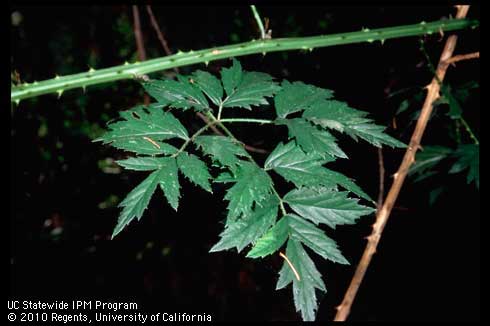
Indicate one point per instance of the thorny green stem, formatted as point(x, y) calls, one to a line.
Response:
point(230, 134)
point(259, 21)
point(128, 71)
point(468, 129)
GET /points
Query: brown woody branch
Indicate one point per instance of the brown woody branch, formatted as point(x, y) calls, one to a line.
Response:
point(140, 45)
point(383, 213)
point(381, 169)
point(461, 57)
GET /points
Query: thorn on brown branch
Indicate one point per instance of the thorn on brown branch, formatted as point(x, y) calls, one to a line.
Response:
point(384, 213)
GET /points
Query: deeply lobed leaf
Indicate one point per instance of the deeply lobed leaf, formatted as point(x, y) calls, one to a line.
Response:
point(244, 88)
point(249, 228)
point(311, 138)
point(180, 94)
point(296, 166)
point(323, 205)
point(137, 200)
point(195, 170)
point(140, 124)
point(298, 96)
point(339, 116)
point(253, 185)
point(310, 279)
point(209, 85)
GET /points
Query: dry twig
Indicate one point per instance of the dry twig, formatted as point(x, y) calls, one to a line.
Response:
point(381, 191)
point(140, 45)
point(383, 213)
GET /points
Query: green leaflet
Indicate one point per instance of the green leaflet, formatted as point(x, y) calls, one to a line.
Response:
point(315, 239)
point(180, 94)
point(222, 149)
point(297, 228)
point(468, 157)
point(310, 279)
point(298, 96)
point(249, 228)
point(169, 183)
point(244, 88)
point(305, 169)
point(339, 116)
point(253, 185)
point(334, 114)
point(209, 85)
point(271, 241)
point(312, 139)
point(138, 199)
point(142, 124)
point(232, 77)
point(302, 169)
point(136, 202)
point(322, 205)
point(195, 170)
point(253, 88)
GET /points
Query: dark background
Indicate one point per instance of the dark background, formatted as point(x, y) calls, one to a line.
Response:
point(64, 189)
